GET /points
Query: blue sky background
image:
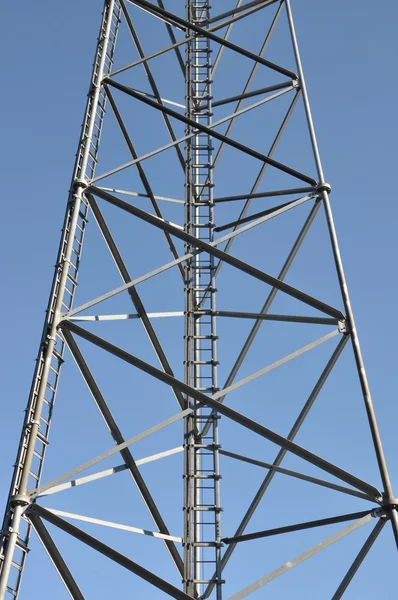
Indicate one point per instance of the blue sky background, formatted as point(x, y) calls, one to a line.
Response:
point(349, 53)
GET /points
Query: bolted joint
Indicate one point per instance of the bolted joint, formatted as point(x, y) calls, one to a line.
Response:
point(79, 183)
point(20, 500)
point(344, 327)
point(324, 187)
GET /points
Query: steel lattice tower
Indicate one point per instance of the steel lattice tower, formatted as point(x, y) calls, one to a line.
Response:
point(214, 197)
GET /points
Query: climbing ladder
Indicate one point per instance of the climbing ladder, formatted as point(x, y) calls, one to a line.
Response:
point(34, 439)
point(202, 534)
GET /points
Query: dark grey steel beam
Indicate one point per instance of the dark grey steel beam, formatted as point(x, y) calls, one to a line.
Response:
point(225, 410)
point(254, 216)
point(253, 587)
point(141, 172)
point(359, 559)
point(56, 557)
point(234, 11)
point(268, 317)
point(125, 453)
point(271, 88)
point(297, 527)
point(282, 452)
point(274, 193)
point(367, 397)
point(289, 473)
point(151, 79)
point(156, 10)
point(233, 261)
point(210, 131)
point(173, 40)
point(109, 552)
point(135, 298)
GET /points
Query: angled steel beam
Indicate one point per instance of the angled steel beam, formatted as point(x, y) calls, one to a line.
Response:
point(271, 296)
point(275, 210)
point(267, 317)
point(273, 194)
point(175, 45)
point(251, 77)
point(180, 140)
point(173, 40)
point(371, 415)
point(234, 11)
point(359, 559)
point(297, 527)
point(222, 48)
point(107, 472)
point(282, 453)
point(56, 557)
point(119, 440)
point(265, 90)
point(299, 559)
point(112, 525)
point(210, 131)
point(141, 171)
point(114, 450)
point(295, 474)
point(122, 560)
point(135, 298)
point(222, 393)
point(211, 249)
point(161, 269)
point(151, 79)
point(221, 408)
point(156, 10)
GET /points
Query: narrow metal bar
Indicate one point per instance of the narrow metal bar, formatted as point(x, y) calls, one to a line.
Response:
point(161, 269)
point(180, 140)
point(108, 453)
point(222, 48)
point(107, 472)
point(234, 11)
point(271, 296)
point(299, 559)
point(297, 527)
point(212, 250)
point(140, 170)
point(56, 557)
point(173, 41)
point(139, 530)
point(135, 298)
point(176, 45)
point(151, 79)
point(211, 131)
point(282, 452)
point(227, 390)
point(121, 444)
point(274, 211)
point(250, 196)
point(139, 195)
point(221, 408)
point(389, 495)
point(295, 474)
point(268, 317)
point(127, 316)
point(271, 88)
point(208, 34)
point(359, 559)
point(122, 560)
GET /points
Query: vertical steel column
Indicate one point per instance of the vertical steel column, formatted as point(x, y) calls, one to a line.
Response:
point(202, 494)
point(34, 438)
point(324, 188)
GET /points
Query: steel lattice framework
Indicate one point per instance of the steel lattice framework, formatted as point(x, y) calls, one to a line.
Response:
point(202, 132)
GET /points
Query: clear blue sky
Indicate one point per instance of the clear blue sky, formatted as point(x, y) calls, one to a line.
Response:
point(350, 52)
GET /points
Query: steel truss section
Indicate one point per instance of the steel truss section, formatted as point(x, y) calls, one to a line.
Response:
point(200, 205)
